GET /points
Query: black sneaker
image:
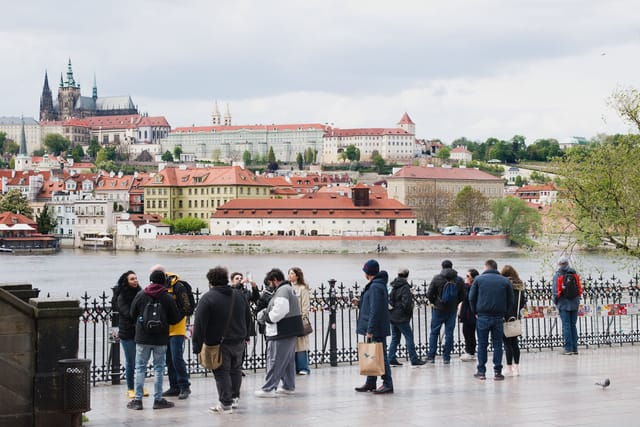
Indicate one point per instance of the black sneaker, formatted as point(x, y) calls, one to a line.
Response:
point(431, 360)
point(418, 362)
point(172, 392)
point(162, 404)
point(479, 376)
point(136, 405)
point(394, 362)
point(498, 377)
point(184, 393)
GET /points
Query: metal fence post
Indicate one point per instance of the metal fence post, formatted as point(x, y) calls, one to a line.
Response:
point(333, 341)
point(115, 342)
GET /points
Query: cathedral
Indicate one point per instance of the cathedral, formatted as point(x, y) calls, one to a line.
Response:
point(71, 104)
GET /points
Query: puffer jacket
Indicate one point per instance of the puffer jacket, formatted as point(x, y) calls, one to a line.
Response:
point(401, 301)
point(282, 316)
point(122, 304)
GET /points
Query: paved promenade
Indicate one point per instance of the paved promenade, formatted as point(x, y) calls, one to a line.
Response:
point(552, 390)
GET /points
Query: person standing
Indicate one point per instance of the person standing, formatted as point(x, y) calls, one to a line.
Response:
point(125, 291)
point(400, 313)
point(301, 289)
point(443, 312)
point(222, 318)
point(283, 324)
point(152, 341)
point(238, 282)
point(567, 305)
point(468, 320)
point(511, 345)
point(490, 297)
point(374, 323)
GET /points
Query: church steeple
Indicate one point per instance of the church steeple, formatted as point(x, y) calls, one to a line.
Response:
point(216, 119)
point(227, 116)
point(22, 160)
point(95, 88)
point(46, 101)
point(70, 82)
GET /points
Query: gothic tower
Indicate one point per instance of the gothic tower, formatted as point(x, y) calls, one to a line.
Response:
point(22, 160)
point(227, 117)
point(68, 94)
point(407, 124)
point(215, 117)
point(46, 101)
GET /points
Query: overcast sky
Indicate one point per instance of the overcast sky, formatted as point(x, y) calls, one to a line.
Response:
point(475, 68)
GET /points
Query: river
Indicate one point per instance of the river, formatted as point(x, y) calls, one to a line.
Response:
point(74, 271)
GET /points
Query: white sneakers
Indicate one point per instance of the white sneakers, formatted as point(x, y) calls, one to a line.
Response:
point(263, 393)
point(467, 357)
point(235, 403)
point(220, 409)
point(285, 391)
point(512, 371)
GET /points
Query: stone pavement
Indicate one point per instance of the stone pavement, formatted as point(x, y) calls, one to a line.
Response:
point(552, 390)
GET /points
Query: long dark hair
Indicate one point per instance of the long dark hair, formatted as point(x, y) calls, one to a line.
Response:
point(122, 281)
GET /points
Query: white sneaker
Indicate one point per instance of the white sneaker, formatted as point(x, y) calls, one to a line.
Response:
point(264, 393)
point(507, 371)
point(285, 391)
point(467, 357)
point(516, 371)
point(220, 409)
point(235, 403)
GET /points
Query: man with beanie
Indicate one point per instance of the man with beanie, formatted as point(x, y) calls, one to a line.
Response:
point(373, 321)
point(155, 339)
point(567, 305)
point(443, 312)
point(401, 312)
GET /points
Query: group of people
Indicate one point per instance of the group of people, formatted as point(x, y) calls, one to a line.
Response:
point(482, 302)
point(153, 321)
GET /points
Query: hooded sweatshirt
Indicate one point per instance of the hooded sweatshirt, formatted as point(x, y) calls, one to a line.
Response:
point(169, 314)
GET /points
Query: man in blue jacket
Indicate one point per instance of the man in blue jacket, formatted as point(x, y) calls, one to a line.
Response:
point(490, 297)
point(567, 307)
point(373, 321)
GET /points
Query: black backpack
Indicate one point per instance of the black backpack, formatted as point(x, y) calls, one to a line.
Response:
point(152, 319)
point(570, 288)
point(183, 293)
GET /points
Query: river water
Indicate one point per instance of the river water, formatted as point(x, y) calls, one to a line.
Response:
point(74, 271)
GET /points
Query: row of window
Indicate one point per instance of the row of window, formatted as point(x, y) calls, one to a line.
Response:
point(205, 191)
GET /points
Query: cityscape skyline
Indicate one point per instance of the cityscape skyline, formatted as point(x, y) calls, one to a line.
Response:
point(461, 69)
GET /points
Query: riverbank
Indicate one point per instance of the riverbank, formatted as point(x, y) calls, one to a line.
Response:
point(318, 244)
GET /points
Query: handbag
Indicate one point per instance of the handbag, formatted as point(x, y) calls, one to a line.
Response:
point(210, 356)
point(371, 359)
point(306, 323)
point(513, 326)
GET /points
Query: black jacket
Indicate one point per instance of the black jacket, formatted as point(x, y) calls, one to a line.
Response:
point(401, 301)
point(491, 294)
point(435, 290)
point(122, 304)
point(212, 314)
point(170, 314)
point(250, 296)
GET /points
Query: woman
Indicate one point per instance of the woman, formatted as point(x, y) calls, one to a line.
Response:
point(511, 347)
point(301, 289)
point(468, 320)
point(125, 291)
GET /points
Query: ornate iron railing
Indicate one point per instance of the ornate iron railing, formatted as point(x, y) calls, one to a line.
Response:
point(609, 315)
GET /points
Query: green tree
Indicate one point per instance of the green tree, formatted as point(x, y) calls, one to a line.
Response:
point(3, 138)
point(516, 219)
point(271, 157)
point(56, 143)
point(379, 163)
point(470, 207)
point(177, 151)
point(246, 157)
point(77, 153)
point(539, 178)
point(46, 221)
point(39, 152)
point(93, 149)
point(187, 224)
point(299, 161)
point(543, 150)
point(518, 148)
point(444, 153)
point(352, 152)
point(11, 147)
point(14, 201)
point(167, 156)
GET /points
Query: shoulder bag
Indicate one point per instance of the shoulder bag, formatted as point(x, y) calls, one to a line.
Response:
point(513, 326)
point(210, 356)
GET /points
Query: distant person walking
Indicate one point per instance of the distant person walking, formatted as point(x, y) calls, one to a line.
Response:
point(401, 312)
point(490, 297)
point(301, 289)
point(566, 296)
point(468, 319)
point(511, 344)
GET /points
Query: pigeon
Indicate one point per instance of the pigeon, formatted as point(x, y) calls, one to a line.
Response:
point(604, 384)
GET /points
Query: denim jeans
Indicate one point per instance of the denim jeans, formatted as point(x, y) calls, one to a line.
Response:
point(302, 361)
point(386, 378)
point(493, 325)
point(143, 352)
point(569, 329)
point(438, 318)
point(129, 348)
point(176, 368)
point(404, 329)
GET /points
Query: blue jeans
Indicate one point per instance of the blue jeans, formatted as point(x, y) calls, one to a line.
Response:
point(569, 329)
point(438, 318)
point(302, 361)
point(484, 326)
point(386, 378)
point(129, 348)
point(403, 328)
point(143, 352)
point(176, 368)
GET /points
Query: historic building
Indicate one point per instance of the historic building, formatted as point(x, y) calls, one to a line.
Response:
point(71, 104)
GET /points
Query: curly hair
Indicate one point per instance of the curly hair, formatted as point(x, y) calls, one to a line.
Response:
point(218, 276)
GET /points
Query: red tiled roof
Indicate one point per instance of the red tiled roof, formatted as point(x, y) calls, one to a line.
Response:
point(10, 219)
point(536, 188)
point(406, 120)
point(444, 173)
point(270, 128)
point(365, 132)
point(154, 121)
point(460, 149)
point(219, 175)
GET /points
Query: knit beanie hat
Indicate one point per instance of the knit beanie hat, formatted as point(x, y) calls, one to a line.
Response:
point(371, 267)
point(158, 277)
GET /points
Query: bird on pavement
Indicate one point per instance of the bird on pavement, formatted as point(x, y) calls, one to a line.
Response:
point(604, 384)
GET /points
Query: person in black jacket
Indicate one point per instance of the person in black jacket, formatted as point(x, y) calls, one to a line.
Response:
point(511, 345)
point(401, 312)
point(222, 317)
point(156, 342)
point(442, 313)
point(467, 317)
point(124, 293)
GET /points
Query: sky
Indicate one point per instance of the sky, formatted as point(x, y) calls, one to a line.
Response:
point(475, 68)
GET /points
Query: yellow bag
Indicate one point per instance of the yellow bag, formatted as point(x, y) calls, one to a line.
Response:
point(210, 357)
point(371, 358)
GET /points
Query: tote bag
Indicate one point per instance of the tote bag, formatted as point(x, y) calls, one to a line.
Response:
point(210, 357)
point(512, 328)
point(371, 358)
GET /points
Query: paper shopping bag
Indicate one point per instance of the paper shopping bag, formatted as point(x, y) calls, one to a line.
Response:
point(371, 358)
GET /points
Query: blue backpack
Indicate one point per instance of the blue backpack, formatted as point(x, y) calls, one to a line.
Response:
point(449, 293)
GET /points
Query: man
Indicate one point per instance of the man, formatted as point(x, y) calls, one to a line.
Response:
point(443, 312)
point(179, 384)
point(490, 297)
point(154, 340)
point(283, 324)
point(401, 312)
point(567, 305)
point(373, 321)
point(212, 317)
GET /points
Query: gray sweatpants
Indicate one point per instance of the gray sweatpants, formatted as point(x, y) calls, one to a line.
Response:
point(281, 364)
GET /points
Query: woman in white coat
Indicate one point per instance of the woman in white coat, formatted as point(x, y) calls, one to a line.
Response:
point(301, 289)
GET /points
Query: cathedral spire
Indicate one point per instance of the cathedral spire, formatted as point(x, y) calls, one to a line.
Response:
point(23, 140)
point(215, 117)
point(46, 100)
point(95, 87)
point(70, 81)
point(227, 116)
